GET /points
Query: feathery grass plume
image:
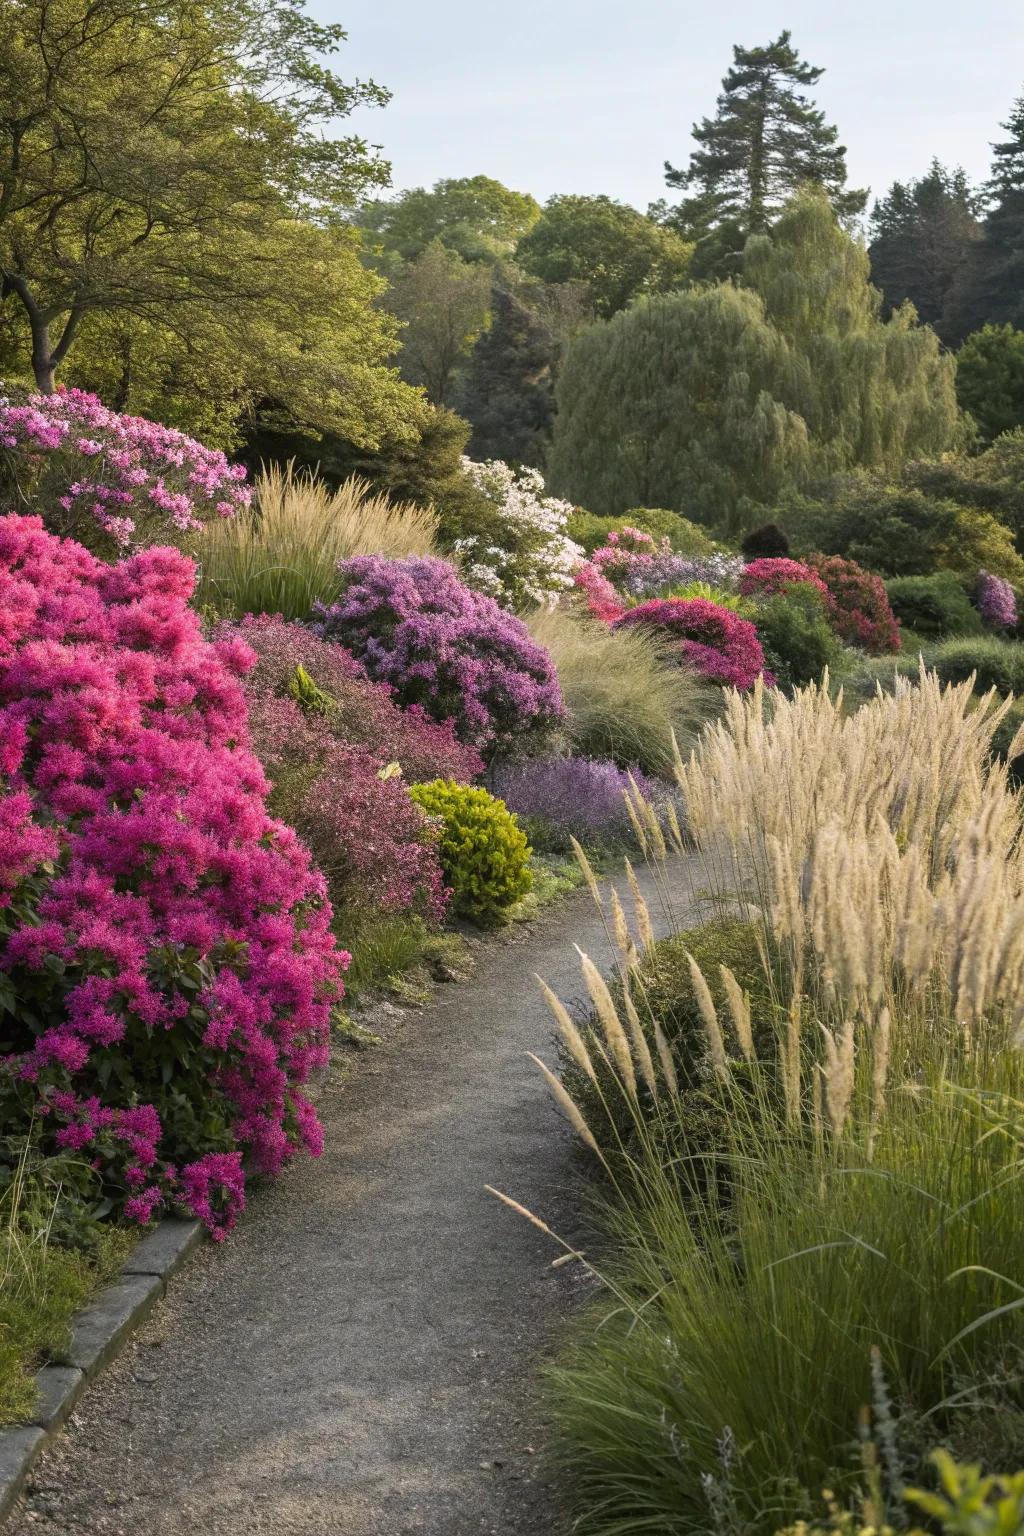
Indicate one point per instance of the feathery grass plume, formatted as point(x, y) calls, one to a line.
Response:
point(587, 871)
point(620, 928)
point(739, 1009)
point(817, 1119)
point(568, 1106)
point(706, 1005)
point(879, 1073)
point(668, 1068)
point(674, 829)
point(570, 1256)
point(611, 1024)
point(282, 555)
point(574, 1042)
point(789, 1052)
point(645, 810)
point(641, 1050)
point(838, 1073)
point(639, 831)
point(640, 909)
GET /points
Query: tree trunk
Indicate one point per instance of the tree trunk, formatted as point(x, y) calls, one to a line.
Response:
point(42, 357)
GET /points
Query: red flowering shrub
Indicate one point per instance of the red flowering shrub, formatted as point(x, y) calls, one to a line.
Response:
point(860, 611)
point(360, 712)
point(167, 969)
point(603, 602)
point(763, 578)
point(715, 641)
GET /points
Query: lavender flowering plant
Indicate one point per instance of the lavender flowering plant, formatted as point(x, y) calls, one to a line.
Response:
point(561, 797)
point(996, 600)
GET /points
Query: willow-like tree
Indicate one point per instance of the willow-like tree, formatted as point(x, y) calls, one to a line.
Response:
point(766, 140)
point(170, 164)
point(711, 401)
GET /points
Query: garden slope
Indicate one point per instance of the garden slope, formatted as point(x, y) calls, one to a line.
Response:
point(359, 1359)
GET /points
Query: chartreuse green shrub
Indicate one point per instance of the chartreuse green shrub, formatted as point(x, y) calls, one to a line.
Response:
point(968, 1503)
point(485, 857)
point(934, 606)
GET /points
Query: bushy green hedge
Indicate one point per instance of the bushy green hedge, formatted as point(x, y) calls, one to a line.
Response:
point(996, 663)
point(484, 854)
point(797, 638)
point(934, 606)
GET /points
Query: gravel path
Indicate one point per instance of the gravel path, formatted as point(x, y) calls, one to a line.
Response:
point(359, 1359)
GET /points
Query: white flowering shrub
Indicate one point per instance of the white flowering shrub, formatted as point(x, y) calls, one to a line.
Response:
point(531, 558)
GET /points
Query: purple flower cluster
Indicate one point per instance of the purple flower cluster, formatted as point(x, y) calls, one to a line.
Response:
point(996, 600)
point(638, 566)
point(577, 797)
point(89, 469)
point(414, 625)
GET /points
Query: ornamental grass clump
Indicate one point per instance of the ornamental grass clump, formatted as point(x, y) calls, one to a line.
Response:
point(414, 625)
point(282, 556)
point(113, 482)
point(167, 970)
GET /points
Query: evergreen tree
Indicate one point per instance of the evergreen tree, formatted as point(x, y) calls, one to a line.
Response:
point(506, 392)
point(922, 234)
point(711, 401)
point(991, 290)
point(766, 139)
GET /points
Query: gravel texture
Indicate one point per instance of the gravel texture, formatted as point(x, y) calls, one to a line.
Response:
point(360, 1358)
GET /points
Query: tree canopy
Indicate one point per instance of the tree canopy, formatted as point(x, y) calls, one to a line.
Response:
point(990, 289)
point(477, 217)
point(990, 379)
point(165, 172)
point(444, 304)
point(710, 401)
point(506, 391)
point(615, 250)
point(922, 235)
point(766, 140)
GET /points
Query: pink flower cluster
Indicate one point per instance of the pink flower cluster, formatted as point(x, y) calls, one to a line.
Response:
point(89, 470)
point(763, 578)
point(414, 625)
point(369, 838)
point(996, 600)
point(859, 608)
point(168, 942)
point(720, 645)
point(603, 602)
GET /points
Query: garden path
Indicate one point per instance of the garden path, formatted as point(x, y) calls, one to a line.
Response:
point(359, 1358)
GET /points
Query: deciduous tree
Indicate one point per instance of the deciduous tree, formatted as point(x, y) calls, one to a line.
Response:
point(615, 250)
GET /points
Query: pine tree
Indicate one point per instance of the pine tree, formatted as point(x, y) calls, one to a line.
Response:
point(712, 401)
point(922, 234)
point(506, 392)
point(991, 290)
point(766, 139)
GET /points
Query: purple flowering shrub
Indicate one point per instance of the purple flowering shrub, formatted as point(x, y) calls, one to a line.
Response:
point(716, 642)
point(637, 566)
point(445, 648)
point(167, 969)
point(556, 798)
point(108, 480)
point(996, 601)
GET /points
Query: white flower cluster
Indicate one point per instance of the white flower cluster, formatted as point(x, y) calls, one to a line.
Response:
point(535, 558)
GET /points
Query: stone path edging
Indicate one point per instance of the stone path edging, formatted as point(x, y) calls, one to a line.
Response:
point(98, 1335)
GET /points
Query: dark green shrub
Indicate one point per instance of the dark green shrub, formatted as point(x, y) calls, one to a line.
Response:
point(996, 663)
point(765, 543)
point(934, 606)
point(1001, 741)
point(797, 638)
point(484, 854)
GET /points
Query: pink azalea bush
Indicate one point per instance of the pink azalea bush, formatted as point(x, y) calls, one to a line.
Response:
point(602, 600)
point(859, 609)
point(167, 969)
point(996, 601)
point(109, 480)
point(716, 642)
point(415, 626)
point(766, 577)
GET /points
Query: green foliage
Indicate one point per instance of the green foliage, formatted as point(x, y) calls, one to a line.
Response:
point(484, 855)
point(506, 391)
point(444, 305)
point(714, 401)
point(624, 691)
point(798, 641)
point(173, 210)
point(686, 538)
point(933, 606)
point(990, 288)
point(996, 663)
point(475, 216)
point(618, 252)
point(990, 379)
point(969, 1504)
point(922, 234)
point(766, 141)
point(398, 953)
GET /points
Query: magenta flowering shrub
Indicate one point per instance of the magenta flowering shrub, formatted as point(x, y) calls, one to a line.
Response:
point(167, 969)
point(108, 480)
point(719, 644)
point(859, 610)
point(439, 645)
point(766, 577)
point(601, 598)
point(996, 601)
point(359, 712)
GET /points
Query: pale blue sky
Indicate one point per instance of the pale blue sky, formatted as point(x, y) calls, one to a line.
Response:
point(593, 95)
